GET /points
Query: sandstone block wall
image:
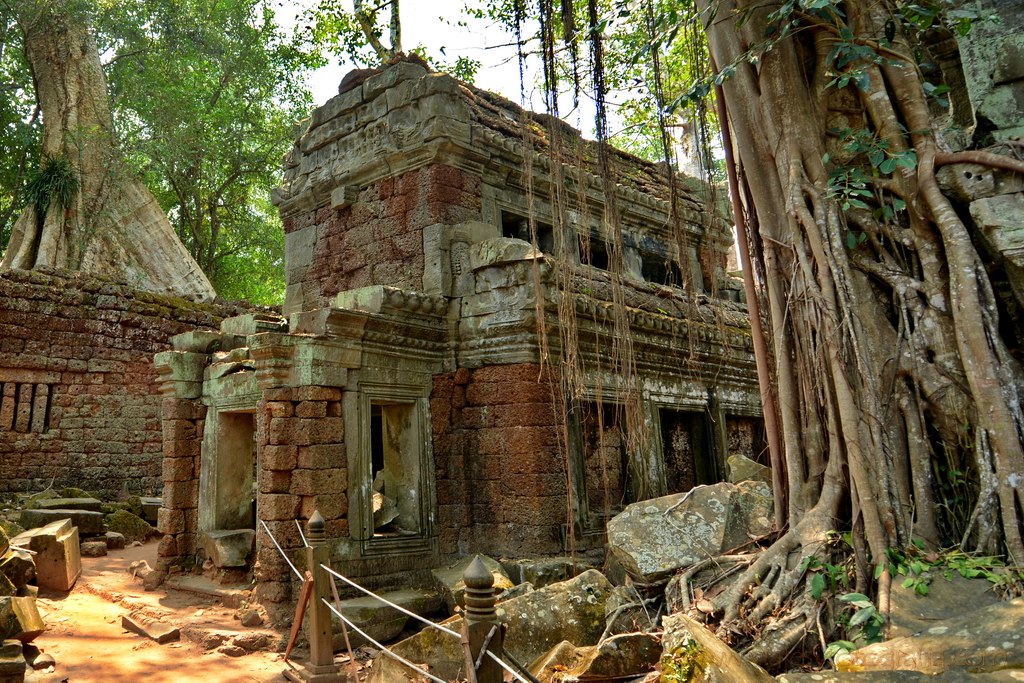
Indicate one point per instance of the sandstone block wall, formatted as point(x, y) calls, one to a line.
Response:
point(79, 399)
point(378, 239)
point(500, 471)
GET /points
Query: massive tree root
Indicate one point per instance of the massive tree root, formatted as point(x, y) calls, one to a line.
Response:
point(884, 332)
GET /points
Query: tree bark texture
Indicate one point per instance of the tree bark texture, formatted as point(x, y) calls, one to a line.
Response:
point(114, 226)
point(884, 330)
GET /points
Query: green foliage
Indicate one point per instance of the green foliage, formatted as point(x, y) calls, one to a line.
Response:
point(19, 123)
point(331, 30)
point(54, 182)
point(866, 622)
point(205, 96)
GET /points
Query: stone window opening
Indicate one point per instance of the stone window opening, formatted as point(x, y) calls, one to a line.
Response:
point(517, 226)
point(25, 407)
point(661, 270)
point(594, 252)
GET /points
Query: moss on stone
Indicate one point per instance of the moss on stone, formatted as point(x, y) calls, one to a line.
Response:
point(132, 527)
point(9, 528)
point(686, 663)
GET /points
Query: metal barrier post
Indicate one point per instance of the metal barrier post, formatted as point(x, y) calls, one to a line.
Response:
point(321, 667)
point(485, 633)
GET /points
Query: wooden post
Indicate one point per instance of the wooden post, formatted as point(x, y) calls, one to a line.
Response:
point(485, 633)
point(321, 667)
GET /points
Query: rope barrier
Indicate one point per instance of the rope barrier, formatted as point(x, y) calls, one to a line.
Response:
point(382, 648)
point(280, 550)
point(391, 604)
point(305, 543)
point(427, 622)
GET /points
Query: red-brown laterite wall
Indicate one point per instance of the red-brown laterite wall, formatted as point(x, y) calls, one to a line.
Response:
point(79, 399)
point(500, 473)
point(378, 240)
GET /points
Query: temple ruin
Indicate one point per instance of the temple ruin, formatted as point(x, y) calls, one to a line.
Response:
point(411, 391)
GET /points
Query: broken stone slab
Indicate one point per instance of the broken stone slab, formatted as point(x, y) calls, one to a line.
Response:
point(571, 610)
point(5, 542)
point(654, 538)
point(982, 640)
point(544, 571)
point(380, 621)
point(742, 468)
point(623, 656)
point(449, 582)
point(91, 504)
point(385, 510)
point(155, 630)
point(19, 619)
point(229, 547)
point(691, 652)
point(19, 567)
point(151, 578)
point(12, 661)
point(89, 522)
point(58, 562)
point(913, 614)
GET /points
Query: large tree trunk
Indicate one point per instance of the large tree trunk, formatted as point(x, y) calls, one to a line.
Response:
point(113, 226)
point(881, 323)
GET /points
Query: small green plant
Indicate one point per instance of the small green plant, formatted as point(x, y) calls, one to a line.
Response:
point(53, 183)
point(867, 622)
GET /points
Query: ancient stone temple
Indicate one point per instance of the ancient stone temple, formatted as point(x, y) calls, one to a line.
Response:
point(412, 390)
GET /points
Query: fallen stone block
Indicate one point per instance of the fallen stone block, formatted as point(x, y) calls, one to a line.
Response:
point(378, 620)
point(623, 656)
point(544, 571)
point(57, 554)
point(69, 504)
point(132, 527)
point(12, 661)
point(150, 508)
point(155, 630)
point(229, 547)
point(19, 568)
point(94, 548)
point(982, 640)
point(571, 610)
point(88, 522)
point(652, 539)
point(19, 619)
point(452, 588)
point(689, 647)
point(4, 541)
point(114, 540)
point(742, 468)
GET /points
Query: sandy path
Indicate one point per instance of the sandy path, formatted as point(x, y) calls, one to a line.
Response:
point(85, 637)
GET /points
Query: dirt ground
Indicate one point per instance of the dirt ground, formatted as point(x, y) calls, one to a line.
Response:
point(85, 637)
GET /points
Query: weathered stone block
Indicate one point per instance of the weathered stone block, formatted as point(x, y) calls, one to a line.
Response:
point(153, 629)
point(279, 457)
point(653, 538)
point(229, 548)
point(87, 521)
point(19, 619)
point(170, 521)
point(57, 554)
point(68, 504)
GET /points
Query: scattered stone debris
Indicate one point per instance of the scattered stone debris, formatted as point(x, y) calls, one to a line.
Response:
point(94, 548)
point(151, 578)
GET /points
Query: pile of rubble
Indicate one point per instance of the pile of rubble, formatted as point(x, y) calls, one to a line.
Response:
point(42, 541)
